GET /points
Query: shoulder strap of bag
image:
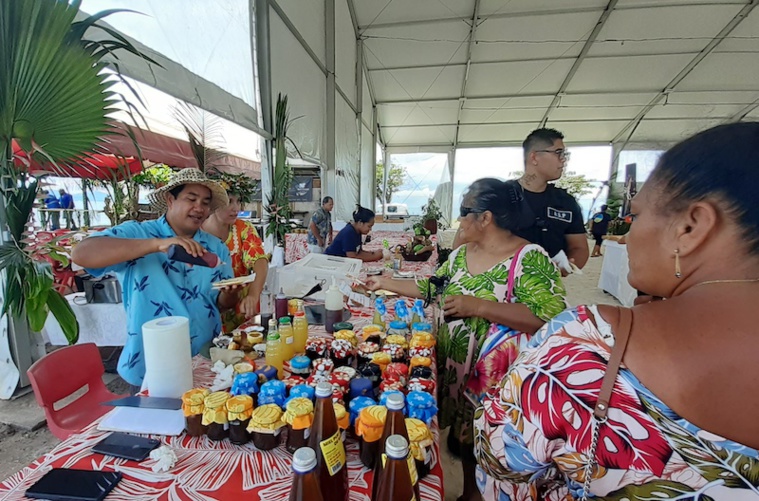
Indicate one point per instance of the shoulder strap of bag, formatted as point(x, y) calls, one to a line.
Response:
point(621, 337)
point(512, 269)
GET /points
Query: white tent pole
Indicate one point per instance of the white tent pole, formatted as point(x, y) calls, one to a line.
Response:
point(384, 181)
point(374, 157)
point(360, 109)
point(259, 13)
point(329, 40)
point(451, 171)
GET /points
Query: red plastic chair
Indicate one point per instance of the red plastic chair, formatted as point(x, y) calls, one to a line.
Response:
point(63, 372)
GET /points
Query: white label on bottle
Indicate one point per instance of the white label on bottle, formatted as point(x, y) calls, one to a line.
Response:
point(289, 340)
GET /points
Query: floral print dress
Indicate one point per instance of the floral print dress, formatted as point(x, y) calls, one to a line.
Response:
point(536, 283)
point(533, 432)
point(245, 248)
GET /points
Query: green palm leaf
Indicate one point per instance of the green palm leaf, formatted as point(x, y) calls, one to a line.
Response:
point(459, 344)
point(54, 99)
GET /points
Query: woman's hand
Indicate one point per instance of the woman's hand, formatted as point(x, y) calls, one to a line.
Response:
point(249, 305)
point(462, 306)
point(375, 283)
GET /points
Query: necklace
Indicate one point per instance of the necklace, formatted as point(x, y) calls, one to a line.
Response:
point(733, 281)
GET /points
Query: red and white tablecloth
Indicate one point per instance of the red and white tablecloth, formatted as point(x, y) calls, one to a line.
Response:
point(206, 469)
point(296, 244)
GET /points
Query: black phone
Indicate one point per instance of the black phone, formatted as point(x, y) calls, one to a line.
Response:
point(62, 484)
point(122, 445)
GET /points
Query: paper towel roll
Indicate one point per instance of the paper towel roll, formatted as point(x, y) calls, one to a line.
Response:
point(168, 356)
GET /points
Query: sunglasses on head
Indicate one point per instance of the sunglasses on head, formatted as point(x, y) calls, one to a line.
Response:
point(465, 211)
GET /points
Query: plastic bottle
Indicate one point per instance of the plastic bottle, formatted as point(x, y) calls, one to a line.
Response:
point(395, 483)
point(178, 253)
point(287, 339)
point(280, 304)
point(300, 331)
point(397, 260)
point(274, 352)
point(326, 442)
point(266, 308)
point(333, 305)
point(305, 478)
point(395, 424)
point(379, 312)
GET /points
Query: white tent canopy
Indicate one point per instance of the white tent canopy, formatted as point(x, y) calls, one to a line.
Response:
point(437, 75)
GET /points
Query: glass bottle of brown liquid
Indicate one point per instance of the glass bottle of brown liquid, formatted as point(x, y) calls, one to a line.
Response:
point(395, 481)
point(306, 477)
point(395, 424)
point(326, 442)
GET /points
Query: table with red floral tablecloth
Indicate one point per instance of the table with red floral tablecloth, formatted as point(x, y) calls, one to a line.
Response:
point(206, 469)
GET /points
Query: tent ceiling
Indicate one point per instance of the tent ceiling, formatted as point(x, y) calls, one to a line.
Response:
point(637, 71)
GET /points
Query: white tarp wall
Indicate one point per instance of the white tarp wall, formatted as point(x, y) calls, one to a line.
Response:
point(302, 59)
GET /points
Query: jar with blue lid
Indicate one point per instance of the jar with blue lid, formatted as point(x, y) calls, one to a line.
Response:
point(300, 366)
point(399, 328)
point(421, 405)
point(272, 392)
point(421, 327)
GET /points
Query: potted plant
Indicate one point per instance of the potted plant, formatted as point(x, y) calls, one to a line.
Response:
point(55, 99)
point(278, 206)
point(431, 215)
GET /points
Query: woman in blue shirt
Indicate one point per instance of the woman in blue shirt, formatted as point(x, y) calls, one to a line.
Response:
point(347, 243)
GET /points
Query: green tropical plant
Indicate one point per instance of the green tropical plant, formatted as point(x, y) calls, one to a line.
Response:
point(431, 211)
point(278, 202)
point(54, 101)
point(154, 176)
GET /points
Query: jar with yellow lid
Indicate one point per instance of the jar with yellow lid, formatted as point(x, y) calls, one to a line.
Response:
point(266, 426)
point(193, 404)
point(239, 410)
point(343, 419)
point(369, 425)
point(420, 444)
point(215, 415)
point(298, 417)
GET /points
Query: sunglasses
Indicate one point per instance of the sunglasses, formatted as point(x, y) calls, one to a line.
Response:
point(465, 211)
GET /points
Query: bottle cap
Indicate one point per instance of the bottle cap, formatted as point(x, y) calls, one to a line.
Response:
point(323, 390)
point(395, 402)
point(284, 320)
point(273, 335)
point(398, 324)
point(304, 460)
point(396, 447)
point(300, 313)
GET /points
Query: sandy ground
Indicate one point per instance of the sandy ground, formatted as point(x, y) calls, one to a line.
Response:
point(18, 448)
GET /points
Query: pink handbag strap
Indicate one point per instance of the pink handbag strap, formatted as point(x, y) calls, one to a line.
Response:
point(512, 270)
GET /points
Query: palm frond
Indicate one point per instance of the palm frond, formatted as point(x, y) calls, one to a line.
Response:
point(205, 134)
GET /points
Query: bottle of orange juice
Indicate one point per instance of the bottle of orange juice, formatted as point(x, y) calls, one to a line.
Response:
point(274, 349)
point(287, 339)
point(300, 331)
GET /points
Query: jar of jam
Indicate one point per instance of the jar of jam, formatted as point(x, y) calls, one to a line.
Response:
point(369, 427)
point(398, 328)
point(239, 410)
point(298, 417)
point(193, 404)
point(343, 419)
point(420, 442)
point(266, 426)
point(215, 415)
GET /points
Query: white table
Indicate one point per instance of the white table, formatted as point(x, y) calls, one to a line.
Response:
point(614, 273)
point(102, 324)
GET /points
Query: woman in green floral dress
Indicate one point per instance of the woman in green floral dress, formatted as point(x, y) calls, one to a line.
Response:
point(494, 279)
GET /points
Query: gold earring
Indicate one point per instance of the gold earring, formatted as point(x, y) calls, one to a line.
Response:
point(678, 273)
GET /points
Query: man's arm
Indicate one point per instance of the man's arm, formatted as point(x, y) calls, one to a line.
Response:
point(577, 249)
point(101, 252)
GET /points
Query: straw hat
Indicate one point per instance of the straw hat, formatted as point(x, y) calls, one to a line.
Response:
point(188, 176)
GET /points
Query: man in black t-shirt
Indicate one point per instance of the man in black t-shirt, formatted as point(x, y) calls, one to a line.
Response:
point(555, 221)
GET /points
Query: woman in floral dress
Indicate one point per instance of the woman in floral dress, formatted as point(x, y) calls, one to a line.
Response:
point(247, 252)
point(682, 419)
point(495, 279)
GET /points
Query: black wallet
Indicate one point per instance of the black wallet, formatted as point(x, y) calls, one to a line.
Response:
point(62, 484)
point(125, 446)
